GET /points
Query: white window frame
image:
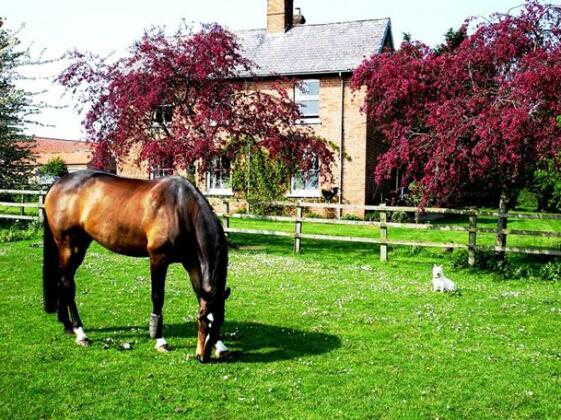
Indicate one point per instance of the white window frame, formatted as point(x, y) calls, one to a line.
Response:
point(159, 171)
point(305, 177)
point(301, 95)
point(222, 188)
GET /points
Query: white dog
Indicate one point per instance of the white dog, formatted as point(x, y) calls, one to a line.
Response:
point(440, 282)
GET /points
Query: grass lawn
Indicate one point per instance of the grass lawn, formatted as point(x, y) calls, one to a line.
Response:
point(329, 333)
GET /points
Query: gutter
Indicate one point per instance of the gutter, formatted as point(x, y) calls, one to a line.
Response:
point(293, 74)
point(341, 144)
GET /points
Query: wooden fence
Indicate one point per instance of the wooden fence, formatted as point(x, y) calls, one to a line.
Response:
point(383, 240)
point(384, 225)
point(23, 204)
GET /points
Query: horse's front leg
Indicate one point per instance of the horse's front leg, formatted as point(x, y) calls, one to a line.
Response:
point(158, 270)
point(207, 337)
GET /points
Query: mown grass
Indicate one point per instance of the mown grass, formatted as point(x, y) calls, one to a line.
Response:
point(329, 333)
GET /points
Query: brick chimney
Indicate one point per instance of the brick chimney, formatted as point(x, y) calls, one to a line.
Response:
point(279, 15)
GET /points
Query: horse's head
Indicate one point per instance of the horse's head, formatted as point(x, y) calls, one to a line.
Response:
point(210, 321)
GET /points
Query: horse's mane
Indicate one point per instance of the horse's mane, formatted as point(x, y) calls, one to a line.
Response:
point(213, 242)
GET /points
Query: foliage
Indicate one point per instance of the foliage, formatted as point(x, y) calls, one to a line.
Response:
point(180, 100)
point(259, 178)
point(15, 107)
point(462, 120)
point(54, 167)
point(547, 182)
point(547, 185)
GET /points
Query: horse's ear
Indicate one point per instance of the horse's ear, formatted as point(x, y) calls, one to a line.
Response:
point(227, 293)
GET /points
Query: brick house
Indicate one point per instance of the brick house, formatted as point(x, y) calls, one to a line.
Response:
point(322, 57)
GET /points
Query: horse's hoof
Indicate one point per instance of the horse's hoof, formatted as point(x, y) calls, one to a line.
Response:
point(222, 355)
point(164, 348)
point(84, 342)
point(202, 359)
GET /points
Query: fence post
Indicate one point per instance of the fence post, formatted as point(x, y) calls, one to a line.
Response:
point(226, 216)
point(472, 242)
point(383, 234)
point(297, 228)
point(41, 210)
point(21, 209)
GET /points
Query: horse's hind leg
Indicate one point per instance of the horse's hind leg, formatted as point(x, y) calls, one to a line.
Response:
point(158, 271)
point(71, 256)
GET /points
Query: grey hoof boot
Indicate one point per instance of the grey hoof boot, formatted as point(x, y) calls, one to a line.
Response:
point(155, 326)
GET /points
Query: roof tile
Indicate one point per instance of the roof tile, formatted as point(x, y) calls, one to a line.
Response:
point(304, 49)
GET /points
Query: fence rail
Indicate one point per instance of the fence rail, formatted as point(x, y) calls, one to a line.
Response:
point(383, 224)
point(22, 205)
point(383, 240)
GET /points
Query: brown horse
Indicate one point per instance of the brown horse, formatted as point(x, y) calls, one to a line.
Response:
point(167, 220)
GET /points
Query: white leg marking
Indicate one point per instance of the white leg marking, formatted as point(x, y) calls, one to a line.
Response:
point(160, 342)
point(80, 334)
point(220, 348)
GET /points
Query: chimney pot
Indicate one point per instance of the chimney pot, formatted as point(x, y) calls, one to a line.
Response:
point(298, 18)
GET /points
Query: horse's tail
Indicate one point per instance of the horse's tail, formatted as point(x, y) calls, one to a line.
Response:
point(51, 271)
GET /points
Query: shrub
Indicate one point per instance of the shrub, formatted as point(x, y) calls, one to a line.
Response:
point(54, 167)
point(399, 217)
point(351, 217)
point(18, 231)
point(489, 261)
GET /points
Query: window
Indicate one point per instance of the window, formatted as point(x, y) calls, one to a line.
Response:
point(161, 119)
point(306, 96)
point(218, 178)
point(162, 115)
point(159, 171)
point(306, 183)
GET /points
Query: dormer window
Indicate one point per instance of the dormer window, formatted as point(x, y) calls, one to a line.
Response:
point(306, 96)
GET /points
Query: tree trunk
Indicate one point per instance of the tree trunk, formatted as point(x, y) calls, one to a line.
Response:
point(502, 224)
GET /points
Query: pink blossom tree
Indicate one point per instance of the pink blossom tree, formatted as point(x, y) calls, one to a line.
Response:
point(474, 118)
point(180, 100)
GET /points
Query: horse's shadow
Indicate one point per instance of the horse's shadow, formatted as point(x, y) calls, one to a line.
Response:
point(249, 342)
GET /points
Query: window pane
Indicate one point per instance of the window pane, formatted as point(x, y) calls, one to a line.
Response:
point(306, 180)
point(309, 108)
point(311, 87)
point(219, 174)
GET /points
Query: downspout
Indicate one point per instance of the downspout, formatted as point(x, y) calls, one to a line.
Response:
point(341, 145)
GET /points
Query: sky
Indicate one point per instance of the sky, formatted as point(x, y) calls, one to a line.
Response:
point(105, 27)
